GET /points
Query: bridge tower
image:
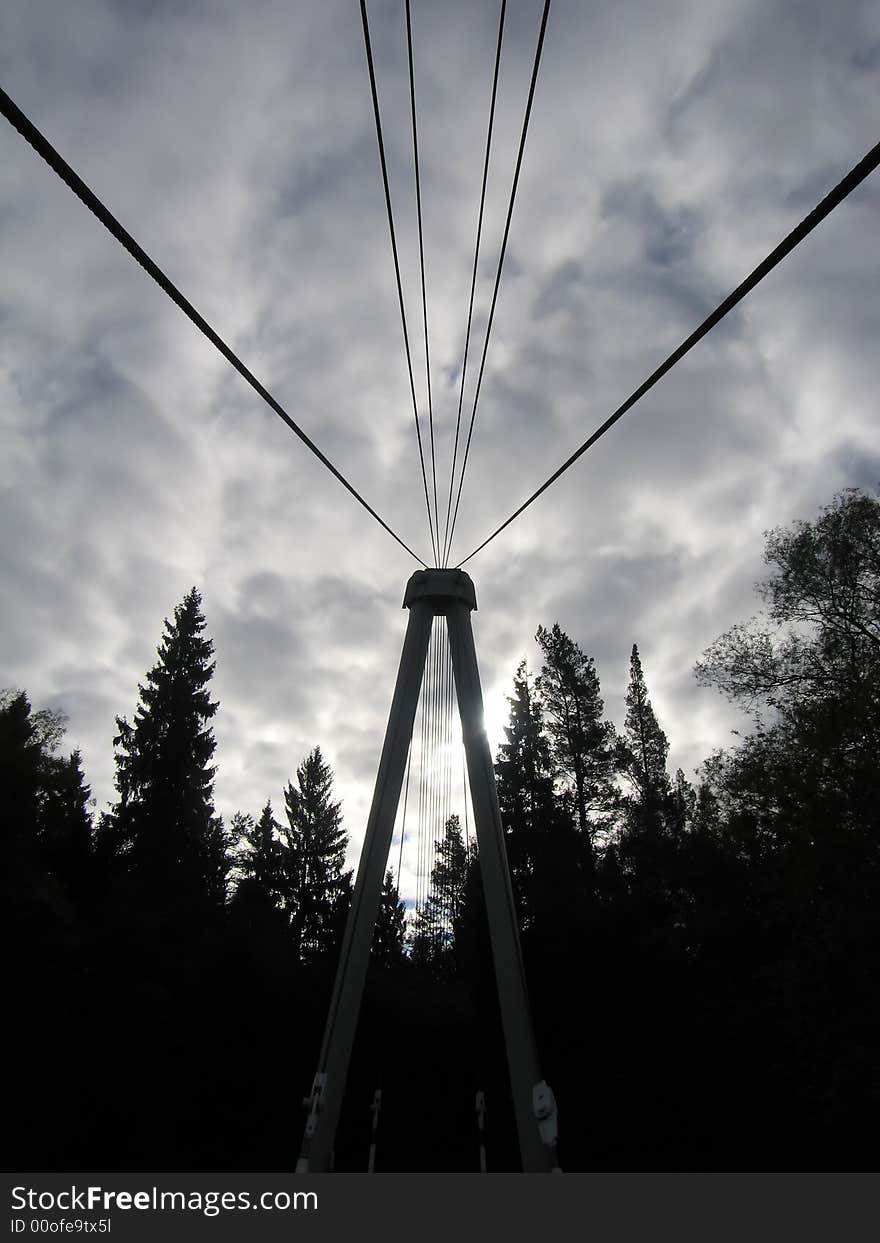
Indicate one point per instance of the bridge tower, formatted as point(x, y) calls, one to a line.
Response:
point(449, 594)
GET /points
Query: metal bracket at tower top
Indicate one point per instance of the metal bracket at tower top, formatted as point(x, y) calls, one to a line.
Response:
point(450, 594)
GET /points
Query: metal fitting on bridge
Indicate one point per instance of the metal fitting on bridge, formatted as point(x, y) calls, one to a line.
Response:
point(313, 1104)
point(544, 1103)
point(441, 588)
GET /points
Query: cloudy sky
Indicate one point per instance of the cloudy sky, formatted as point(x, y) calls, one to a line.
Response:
point(672, 145)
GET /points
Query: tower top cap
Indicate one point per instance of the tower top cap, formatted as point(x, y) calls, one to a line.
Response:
point(440, 587)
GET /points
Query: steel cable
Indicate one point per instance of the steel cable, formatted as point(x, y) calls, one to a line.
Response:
point(59, 165)
point(415, 138)
point(855, 177)
point(467, 335)
point(412, 386)
point(519, 158)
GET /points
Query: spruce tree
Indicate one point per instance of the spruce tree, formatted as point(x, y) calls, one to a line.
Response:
point(390, 932)
point(66, 823)
point(436, 923)
point(315, 888)
point(48, 824)
point(49, 970)
point(683, 803)
point(163, 830)
point(21, 761)
point(538, 831)
point(264, 862)
point(27, 742)
point(647, 849)
point(582, 743)
point(339, 907)
point(645, 746)
point(257, 906)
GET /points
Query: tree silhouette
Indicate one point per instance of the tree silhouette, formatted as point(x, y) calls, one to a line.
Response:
point(819, 638)
point(316, 888)
point(525, 780)
point(547, 855)
point(48, 823)
point(390, 934)
point(27, 768)
point(264, 862)
point(437, 921)
point(727, 935)
point(645, 746)
point(66, 824)
point(809, 772)
point(582, 743)
point(163, 830)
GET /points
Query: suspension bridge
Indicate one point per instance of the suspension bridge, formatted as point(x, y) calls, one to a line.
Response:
point(435, 760)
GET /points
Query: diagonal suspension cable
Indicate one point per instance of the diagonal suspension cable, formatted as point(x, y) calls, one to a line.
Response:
point(854, 178)
point(409, 365)
point(44, 148)
point(467, 336)
point(415, 137)
point(522, 144)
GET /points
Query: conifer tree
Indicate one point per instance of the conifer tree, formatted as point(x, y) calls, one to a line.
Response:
point(436, 922)
point(315, 887)
point(339, 908)
point(20, 763)
point(27, 741)
point(683, 803)
point(649, 846)
point(48, 824)
point(582, 743)
point(645, 746)
point(259, 860)
point(66, 823)
point(265, 861)
point(163, 830)
point(257, 904)
point(390, 933)
point(537, 828)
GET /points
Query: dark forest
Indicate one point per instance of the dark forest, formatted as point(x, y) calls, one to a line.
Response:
point(701, 956)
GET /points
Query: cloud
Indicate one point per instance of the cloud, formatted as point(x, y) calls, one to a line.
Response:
point(671, 147)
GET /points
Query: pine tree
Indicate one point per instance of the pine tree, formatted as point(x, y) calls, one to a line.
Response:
point(538, 831)
point(48, 824)
point(163, 830)
point(683, 802)
point(341, 897)
point(257, 908)
point(49, 969)
point(66, 823)
point(390, 932)
point(27, 741)
point(448, 878)
point(582, 743)
point(315, 888)
point(648, 849)
point(645, 746)
point(21, 760)
point(436, 922)
point(264, 862)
